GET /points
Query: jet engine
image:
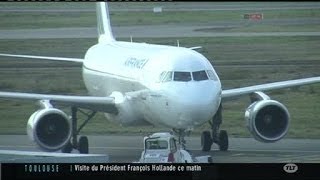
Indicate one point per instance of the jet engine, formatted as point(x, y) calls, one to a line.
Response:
point(50, 128)
point(267, 120)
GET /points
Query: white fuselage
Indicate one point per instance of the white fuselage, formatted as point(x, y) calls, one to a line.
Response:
point(133, 73)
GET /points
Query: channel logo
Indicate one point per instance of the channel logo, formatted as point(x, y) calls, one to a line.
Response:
point(290, 168)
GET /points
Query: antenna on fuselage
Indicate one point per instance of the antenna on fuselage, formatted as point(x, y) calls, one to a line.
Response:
point(178, 44)
point(131, 38)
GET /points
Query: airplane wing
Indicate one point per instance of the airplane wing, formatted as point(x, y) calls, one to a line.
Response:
point(96, 103)
point(44, 57)
point(269, 86)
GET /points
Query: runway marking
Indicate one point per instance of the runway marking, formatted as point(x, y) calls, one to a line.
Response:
point(240, 154)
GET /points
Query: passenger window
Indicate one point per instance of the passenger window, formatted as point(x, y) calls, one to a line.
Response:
point(212, 75)
point(199, 75)
point(182, 76)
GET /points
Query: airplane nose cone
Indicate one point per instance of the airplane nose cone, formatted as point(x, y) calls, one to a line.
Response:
point(197, 95)
point(196, 104)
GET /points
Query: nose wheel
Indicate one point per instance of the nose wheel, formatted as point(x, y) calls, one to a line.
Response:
point(181, 133)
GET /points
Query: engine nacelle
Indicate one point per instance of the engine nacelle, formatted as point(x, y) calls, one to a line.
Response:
point(267, 120)
point(50, 128)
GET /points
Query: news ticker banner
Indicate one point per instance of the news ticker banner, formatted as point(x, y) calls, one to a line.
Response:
point(160, 171)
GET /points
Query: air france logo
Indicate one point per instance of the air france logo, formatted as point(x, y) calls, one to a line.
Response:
point(290, 168)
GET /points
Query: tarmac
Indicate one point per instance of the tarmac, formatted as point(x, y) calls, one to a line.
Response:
point(128, 148)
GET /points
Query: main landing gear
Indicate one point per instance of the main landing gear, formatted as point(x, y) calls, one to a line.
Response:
point(217, 136)
point(81, 144)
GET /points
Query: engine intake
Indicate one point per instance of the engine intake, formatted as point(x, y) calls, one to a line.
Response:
point(50, 128)
point(267, 120)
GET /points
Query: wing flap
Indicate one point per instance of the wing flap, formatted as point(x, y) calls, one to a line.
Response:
point(103, 104)
point(269, 86)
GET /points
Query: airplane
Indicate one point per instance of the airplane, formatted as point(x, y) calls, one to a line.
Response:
point(138, 83)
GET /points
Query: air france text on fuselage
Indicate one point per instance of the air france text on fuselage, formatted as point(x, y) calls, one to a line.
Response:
point(135, 63)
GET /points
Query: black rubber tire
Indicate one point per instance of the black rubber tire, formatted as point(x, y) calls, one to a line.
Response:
point(67, 148)
point(83, 145)
point(206, 141)
point(223, 140)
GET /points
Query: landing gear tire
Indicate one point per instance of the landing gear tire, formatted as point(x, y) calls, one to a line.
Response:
point(67, 148)
point(83, 145)
point(223, 140)
point(206, 141)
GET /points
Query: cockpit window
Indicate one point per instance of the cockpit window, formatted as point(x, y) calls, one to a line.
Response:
point(212, 75)
point(165, 76)
point(182, 76)
point(199, 75)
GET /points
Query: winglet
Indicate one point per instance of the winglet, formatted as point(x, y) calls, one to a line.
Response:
point(103, 23)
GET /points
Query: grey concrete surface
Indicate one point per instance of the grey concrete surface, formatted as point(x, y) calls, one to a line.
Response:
point(167, 6)
point(137, 31)
point(125, 148)
point(209, 29)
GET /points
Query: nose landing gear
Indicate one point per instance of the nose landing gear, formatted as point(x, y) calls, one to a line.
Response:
point(181, 133)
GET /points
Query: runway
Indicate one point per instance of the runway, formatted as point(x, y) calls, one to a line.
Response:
point(170, 6)
point(155, 31)
point(208, 29)
point(128, 148)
